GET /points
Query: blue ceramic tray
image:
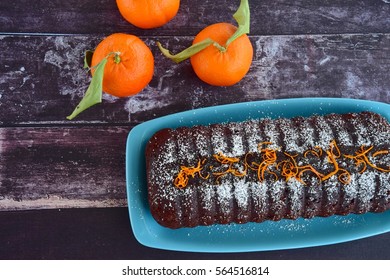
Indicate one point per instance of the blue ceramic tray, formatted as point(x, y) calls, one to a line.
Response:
point(268, 235)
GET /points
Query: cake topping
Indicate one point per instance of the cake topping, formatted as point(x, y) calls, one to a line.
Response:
point(361, 158)
point(229, 161)
point(182, 178)
point(277, 164)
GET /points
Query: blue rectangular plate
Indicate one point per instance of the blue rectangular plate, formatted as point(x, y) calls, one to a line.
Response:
point(268, 235)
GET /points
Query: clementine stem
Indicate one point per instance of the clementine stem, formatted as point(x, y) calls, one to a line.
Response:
point(242, 16)
point(187, 53)
point(117, 58)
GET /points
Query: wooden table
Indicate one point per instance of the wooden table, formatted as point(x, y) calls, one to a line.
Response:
point(62, 183)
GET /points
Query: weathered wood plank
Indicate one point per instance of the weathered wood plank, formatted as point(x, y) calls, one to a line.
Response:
point(62, 167)
point(105, 234)
point(42, 80)
point(269, 17)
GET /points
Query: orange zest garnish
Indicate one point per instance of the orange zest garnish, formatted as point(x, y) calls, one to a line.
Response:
point(268, 157)
point(361, 158)
point(185, 172)
point(344, 177)
point(317, 151)
point(309, 168)
point(286, 167)
point(229, 161)
point(382, 152)
point(332, 156)
point(290, 169)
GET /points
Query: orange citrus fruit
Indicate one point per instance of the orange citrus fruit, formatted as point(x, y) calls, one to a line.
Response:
point(130, 64)
point(148, 13)
point(222, 67)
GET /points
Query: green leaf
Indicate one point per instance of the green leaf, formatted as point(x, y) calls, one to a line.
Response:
point(88, 59)
point(188, 52)
point(94, 92)
point(243, 18)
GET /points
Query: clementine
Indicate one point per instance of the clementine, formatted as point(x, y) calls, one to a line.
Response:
point(221, 54)
point(221, 66)
point(122, 65)
point(148, 13)
point(129, 67)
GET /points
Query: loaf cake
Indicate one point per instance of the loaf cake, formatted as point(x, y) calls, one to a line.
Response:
point(269, 169)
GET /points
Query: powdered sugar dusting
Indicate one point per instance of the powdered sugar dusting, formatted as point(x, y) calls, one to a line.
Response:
point(331, 194)
point(383, 192)
point(378, 134)
point(366, 191)
point(218, 140)
point(202, 143)
point(325, 133)
point(185, 147)
point(343, 136)
point(169, 155)
point(253, 137)
point(272, 134)
point(306, 132)
point(276, 190)
point(296, 192)
point(207, 193)
point(241, 189)
point(273, 195)
point(259, 196)
point(290, 136)
point(224, 195)
point(361, 134)
point(237, 141)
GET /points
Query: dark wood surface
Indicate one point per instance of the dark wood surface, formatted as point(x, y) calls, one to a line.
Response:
point(97, 233)
point(65, 180)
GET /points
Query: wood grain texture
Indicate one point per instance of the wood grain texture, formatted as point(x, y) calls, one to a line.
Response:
point(55, 167)
point(105, 234)
point(45, 81)
point(307, 48)
point(269, 17)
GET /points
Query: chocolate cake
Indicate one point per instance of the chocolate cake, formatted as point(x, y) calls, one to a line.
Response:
point(269, 169)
